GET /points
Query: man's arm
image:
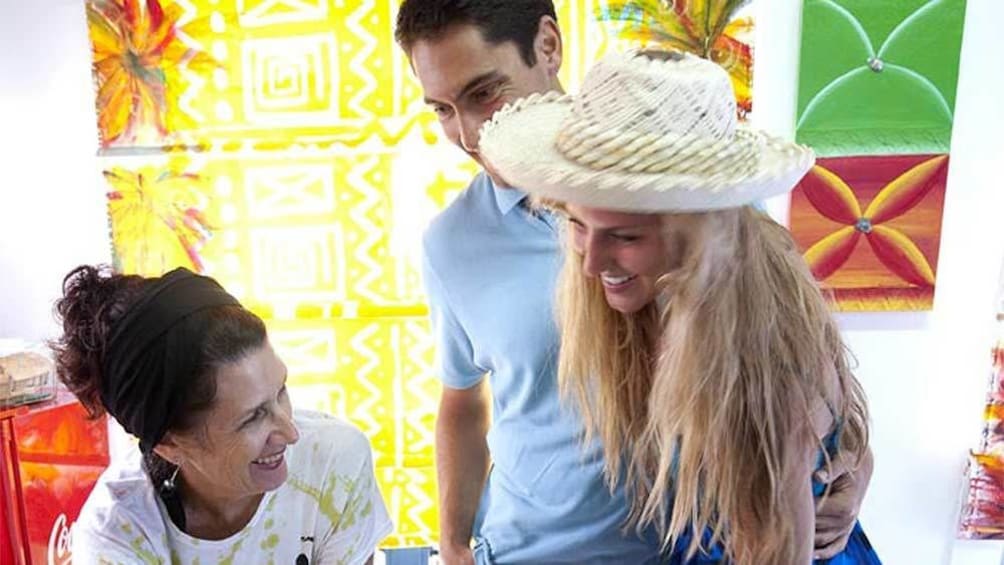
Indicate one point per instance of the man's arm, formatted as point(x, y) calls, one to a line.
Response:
point(796, 484)
point(462, 462)
point(835, 519)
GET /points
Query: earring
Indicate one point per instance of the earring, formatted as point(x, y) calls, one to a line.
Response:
point(169, 483)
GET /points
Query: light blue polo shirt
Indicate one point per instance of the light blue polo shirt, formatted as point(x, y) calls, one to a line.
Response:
point(489, 268)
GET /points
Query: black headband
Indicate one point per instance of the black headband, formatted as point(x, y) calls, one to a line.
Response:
point(147, 363)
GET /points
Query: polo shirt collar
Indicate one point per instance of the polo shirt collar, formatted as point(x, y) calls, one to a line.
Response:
point(506, 198)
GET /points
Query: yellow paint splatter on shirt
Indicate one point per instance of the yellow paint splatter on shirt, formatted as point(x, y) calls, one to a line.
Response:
point(148, 557)
point(229, 560)
point(270, 542)
point(325, 497)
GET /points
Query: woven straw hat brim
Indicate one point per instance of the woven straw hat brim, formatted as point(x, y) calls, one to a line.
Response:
point(519, 145)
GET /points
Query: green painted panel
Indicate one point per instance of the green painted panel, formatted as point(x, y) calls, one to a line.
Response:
point(878, 76)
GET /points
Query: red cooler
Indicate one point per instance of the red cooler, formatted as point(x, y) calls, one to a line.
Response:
point(51, 455)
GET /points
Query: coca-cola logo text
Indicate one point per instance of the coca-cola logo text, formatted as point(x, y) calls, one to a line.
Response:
point(60, 541)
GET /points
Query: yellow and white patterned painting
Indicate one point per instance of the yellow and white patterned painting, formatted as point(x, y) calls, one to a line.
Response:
point(283, 147)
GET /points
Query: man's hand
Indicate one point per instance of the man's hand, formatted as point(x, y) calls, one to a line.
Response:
point(836, 517)
point(456, 555)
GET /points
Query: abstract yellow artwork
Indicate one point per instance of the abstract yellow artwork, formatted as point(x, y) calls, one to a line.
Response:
point(283, 147)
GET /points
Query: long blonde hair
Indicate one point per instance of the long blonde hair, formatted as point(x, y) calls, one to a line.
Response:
point(697, 402)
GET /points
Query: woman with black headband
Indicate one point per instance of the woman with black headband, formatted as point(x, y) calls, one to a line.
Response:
point(226, 471)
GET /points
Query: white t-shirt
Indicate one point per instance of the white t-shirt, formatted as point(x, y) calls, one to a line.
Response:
point(329, 510)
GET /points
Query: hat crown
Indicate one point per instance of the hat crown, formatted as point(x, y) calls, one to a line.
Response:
point(648, 132)
point(657, 94)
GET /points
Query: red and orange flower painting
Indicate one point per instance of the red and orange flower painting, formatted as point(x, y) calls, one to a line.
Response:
point(870, 228)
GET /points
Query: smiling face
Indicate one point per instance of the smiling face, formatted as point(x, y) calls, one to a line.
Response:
point(627, 252)
point(240, 451)
point(465, 79)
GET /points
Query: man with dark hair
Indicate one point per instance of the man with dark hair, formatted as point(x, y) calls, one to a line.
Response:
point(516, 21)
point(529, 493)
point(513, 471)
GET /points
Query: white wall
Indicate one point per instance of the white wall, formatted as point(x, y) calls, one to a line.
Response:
point(925, 373)
point(52, 214)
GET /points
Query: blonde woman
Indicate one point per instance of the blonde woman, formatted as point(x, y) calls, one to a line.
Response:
point(694, 339)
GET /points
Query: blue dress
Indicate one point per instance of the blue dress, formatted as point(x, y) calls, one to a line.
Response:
point(858, 551)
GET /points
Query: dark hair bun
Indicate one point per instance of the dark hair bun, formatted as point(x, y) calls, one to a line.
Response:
point(93, 299)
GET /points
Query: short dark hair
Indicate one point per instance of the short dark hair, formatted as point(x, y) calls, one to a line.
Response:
point(497, 20)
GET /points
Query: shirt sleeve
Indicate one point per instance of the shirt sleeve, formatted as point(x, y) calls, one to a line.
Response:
point(454, 353)
point(364, 521)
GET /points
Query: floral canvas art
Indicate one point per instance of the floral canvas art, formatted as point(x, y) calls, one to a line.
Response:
point(870, 228)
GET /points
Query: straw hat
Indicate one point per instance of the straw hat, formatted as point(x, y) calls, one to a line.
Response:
point(649, 131)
